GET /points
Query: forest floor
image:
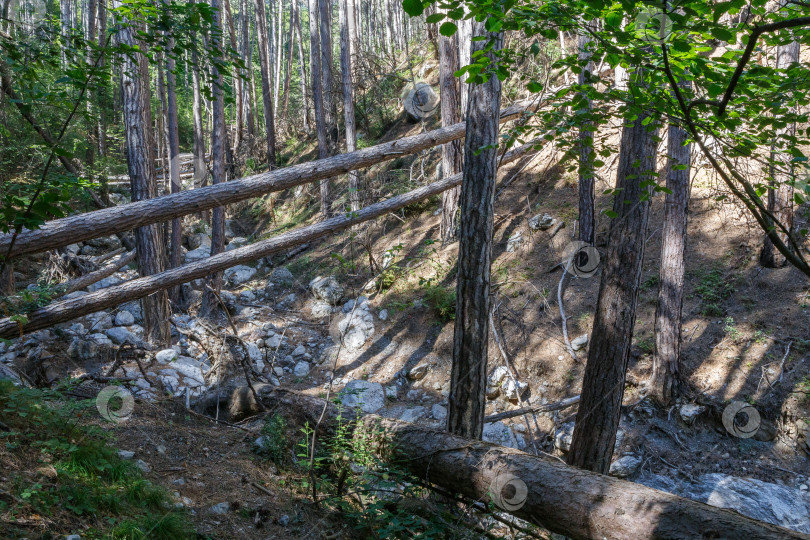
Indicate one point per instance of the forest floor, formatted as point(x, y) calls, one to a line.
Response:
point(744, 334)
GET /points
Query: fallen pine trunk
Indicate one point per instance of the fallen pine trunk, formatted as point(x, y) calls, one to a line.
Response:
point(81, 227)
point(66, 310)
point(541, 490)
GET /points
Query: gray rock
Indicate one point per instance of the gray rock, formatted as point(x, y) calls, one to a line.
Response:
point(773, 503)
point(563, 437)
point(327, 289)
point(142, 465)
point(368, 396)
point(284, 520)
point(356, 328)
point(419, 371)
point(282, 276)
point(166, 355)
point(625, 466)
point(514, 242)
point(75, 294)
point(301, 369)
point(236, 242)
point(580, 342)
point(349, 305)
point(237, 275)
point(439, 412)
point(499, 433)
point(73, 249)
point(108, 281)
point(198, 254)
point(221, 508)
point(690, 412)
point(199, 240)
point(512, 389)
point(383, 314)
point(126, 454)
point(299, 351)
point(497, 376)
point(320, 309)
point(413, 414)
point(273, 340)
point(124, 318)
point(121, 335)
point(542, 222)
point(73, 537)
point(391, 391)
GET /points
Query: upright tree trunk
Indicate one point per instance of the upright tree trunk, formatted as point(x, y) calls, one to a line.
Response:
point(665, 378)
point(101, 129)
point(471, 337)
point(244, 47)
point(317, 98)
point(451, 152)
point(465, 34)
point(141, 167)
point(267, 97)
point(200, 172)
point(290, 49)
point(329, 101)
point(174, 158)
point(239, 117)
point(302, 65)
point(279, 52)
point(210, 306)
point(346, 33)
point(587, 222)
point(609, 351)
point(780, 195)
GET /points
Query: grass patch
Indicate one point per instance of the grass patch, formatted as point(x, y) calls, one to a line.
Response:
point(442, 300)
point(713, 288)
point(65, 476)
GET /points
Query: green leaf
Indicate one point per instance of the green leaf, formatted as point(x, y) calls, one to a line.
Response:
point(534, 87)
point(722, 34)
point(436, 17)
point(414, 8)
point(611, 214)
point(448, 29)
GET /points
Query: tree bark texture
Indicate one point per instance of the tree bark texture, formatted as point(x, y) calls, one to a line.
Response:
point(603, 383)
point(665, 378)
point(471, 335)
point(318, 99)
point(587, 220)
point(143, 182)
point(780, 195)
point(66, 310)
point(346, 31)
point(452, 157)
point(267, 97)
point(81, 227)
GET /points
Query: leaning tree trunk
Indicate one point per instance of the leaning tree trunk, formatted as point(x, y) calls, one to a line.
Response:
point(317, 98)
point(210, 303)
point(346, 33)
point(609, 351)
point(471, 336)
point(267, 97)
point(665, 379)
point(587, 224)
point(141, 167)
point(451, 152)
point(780, 195)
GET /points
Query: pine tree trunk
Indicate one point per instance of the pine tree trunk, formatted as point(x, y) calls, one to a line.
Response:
point(609, 351)
point(451, 152)
point(317, 97)
point(587, 222)
point(239, 117)
point(141, 167)
point(780, 195)
point(665, 379)
point(101, 129)
point(471, 337)
point(288, 70)
point(210, 304)
point(174, 159)
point(346, 33)
point(327, 63)
point(244, 47)
point(279, 52)
point(267, 97)
point(200, 172)
point(302, 64)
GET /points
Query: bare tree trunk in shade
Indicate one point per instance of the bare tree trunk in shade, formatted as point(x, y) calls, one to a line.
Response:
point(239, 118)
point(279, 52)
point(302, 64)
point(210, 304)
point(288, 70)
point(141, 167)
point(101, 129)
point(200, 171)
point(317, 98)
point(327, 64)
point(609, 351)
point(780, 195)
point(267, 97)
point(471, 336)
point(587, 220)
point(246, 52)
point(664, 384)
point(465, 34)
point(346, 33)
point(451, 152)
point(174, 159)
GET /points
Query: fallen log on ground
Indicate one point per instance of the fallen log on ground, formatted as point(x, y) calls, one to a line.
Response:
point(539, 489)
point(66, 310)
point(94, 277)
point(81, 227)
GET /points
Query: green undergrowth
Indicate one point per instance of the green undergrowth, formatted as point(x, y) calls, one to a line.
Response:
point(61, 477)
